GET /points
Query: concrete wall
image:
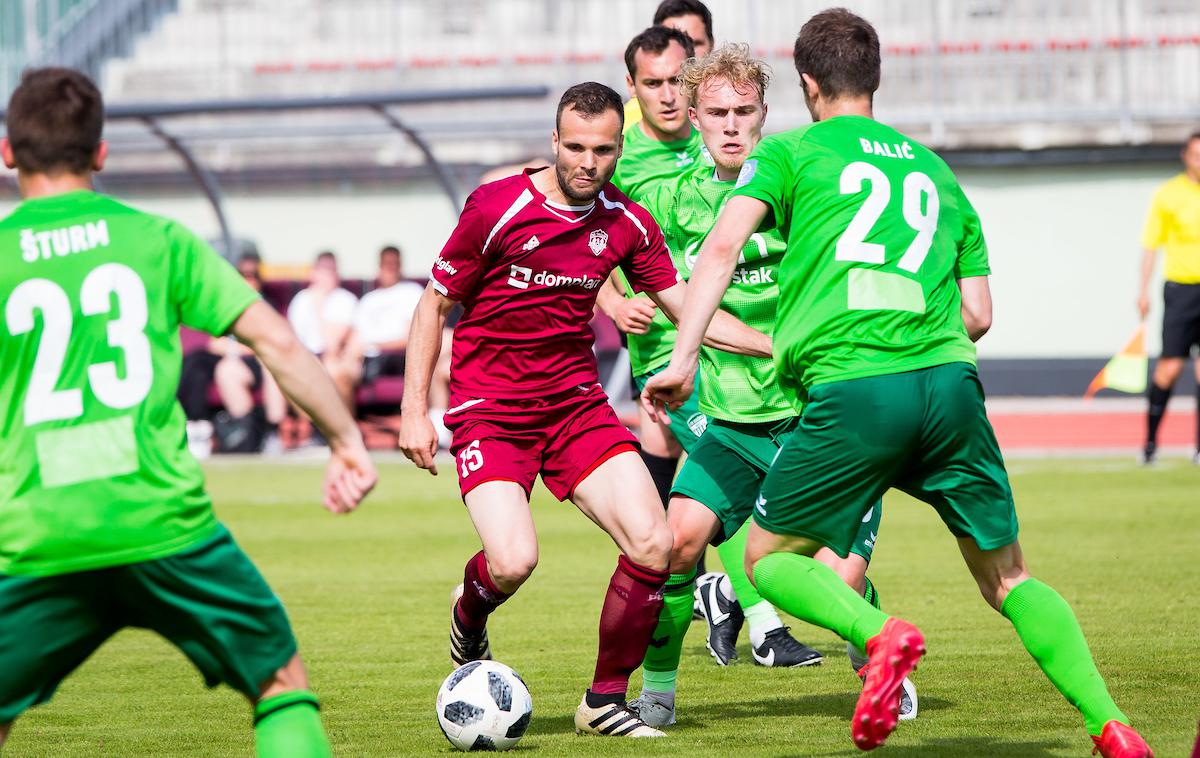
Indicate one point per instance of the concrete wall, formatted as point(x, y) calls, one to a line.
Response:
point(1064, 244)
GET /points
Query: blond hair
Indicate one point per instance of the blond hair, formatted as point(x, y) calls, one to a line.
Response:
point(731, 62)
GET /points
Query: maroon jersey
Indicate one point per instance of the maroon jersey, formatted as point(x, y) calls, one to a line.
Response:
point(527, 272)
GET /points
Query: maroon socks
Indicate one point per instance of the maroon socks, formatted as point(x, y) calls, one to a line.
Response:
point(480, 595)
point(627, 621)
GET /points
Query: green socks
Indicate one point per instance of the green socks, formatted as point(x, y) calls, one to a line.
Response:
point(1050, 632)
point(733, 558)
point(813, 592)
point(289, 726)
point(661, 665)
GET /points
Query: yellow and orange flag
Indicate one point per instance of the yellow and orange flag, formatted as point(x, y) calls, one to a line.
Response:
point(1126, 371)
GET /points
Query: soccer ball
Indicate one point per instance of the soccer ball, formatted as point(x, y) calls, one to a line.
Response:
point(484, 706)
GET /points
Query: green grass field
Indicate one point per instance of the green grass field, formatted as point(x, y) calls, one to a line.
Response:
point(368, 597)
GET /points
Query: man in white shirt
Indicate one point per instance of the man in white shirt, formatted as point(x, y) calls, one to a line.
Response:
point(322, 316)
point(381, 321)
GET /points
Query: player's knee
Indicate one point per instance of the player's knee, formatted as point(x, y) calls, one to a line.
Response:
point(652, 548)
point(290, 677)
point(513, 567)
point(685, 552)
point(1167, 371)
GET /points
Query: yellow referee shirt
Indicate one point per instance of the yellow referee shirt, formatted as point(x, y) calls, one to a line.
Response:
point(633, 114)
point(1174, 225)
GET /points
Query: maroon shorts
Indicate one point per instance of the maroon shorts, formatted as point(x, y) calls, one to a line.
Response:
point(563, 437)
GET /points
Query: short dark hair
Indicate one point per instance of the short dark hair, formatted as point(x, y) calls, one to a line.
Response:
point(840, 51)
point(656, 39)
point(590, 99)
point(389, 250)
point(675, 8)
point(1191, 138)
point(55, 118)
point(326, 255)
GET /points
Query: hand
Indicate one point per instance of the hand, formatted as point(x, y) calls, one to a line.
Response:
point(349, 476)
point(1143, 306)
point(419, 440)
point(633, 315)
point(667, 389)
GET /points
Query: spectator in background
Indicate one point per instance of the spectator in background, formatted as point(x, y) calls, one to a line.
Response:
point(322, 315)
point(381, 321)
point(1174, 226)
point(238, 373)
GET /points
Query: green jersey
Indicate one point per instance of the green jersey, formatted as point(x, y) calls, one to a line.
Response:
point(733, 387)
point(94, 467)
point(878, 233)
point(645, 164)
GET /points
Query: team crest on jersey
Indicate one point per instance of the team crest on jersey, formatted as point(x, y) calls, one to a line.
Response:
point(697, 423)
point(598, 241)
point(531, 244)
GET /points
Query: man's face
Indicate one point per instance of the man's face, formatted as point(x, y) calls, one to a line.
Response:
point(1191, 158)
point(730, 120)
point(324, 275)
point(693, 26)
point(656, 87)
point(249, 272)
point(389, 269)
point(585, 153)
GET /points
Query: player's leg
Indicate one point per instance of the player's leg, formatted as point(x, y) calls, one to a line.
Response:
point(1051, 633)
point(961, 473)
point(693, 527)
point(212, 603)
point(235, 381)
point(619, 496)
point(499, 511)
point(1176, 345)
point(660, 452)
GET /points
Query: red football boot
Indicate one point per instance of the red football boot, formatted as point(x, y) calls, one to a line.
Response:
point(893, 654)
point(1120, 741)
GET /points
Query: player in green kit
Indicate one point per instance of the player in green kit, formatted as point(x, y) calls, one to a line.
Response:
point(105, 520)
point(749, 416)
point(882, 290)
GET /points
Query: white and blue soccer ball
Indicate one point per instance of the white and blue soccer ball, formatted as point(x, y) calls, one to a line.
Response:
point(484, 705)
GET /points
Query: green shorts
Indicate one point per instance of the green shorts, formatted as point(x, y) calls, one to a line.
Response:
point(924, 432)
point(687, 422)
point(725, 470)
point(209, 600)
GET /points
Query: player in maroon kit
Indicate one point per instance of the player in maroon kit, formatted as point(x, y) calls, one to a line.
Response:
point(526, 260)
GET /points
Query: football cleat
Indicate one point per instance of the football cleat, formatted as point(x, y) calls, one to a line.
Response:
point(653, 711)
point(908, 696)
point(466, 645)
point(781, 650)
point(1149, 454)
point(894, 653)
point(612, 720)
point(1120, 741)
point(724, 618)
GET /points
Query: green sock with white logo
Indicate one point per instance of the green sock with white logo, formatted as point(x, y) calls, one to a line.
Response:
point(661, 665)
point(761, 616)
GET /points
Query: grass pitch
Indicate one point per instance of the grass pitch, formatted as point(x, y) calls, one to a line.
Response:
point(368, 597)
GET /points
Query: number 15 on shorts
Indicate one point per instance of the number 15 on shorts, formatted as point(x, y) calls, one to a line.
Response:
point(470, 459)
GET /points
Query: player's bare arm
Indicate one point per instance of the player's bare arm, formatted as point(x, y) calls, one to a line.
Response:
point(715, 263)
point(350, 474)
point(631, 315)
point(725, 332)
point(976, 305)
point(418, 438)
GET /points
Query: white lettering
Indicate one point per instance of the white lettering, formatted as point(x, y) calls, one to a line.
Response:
point(903, 150)
point(29, 248)
point(907, 151)
point(866, 145)
point(443, 265)
point(78, 239)
point(61, 241)
point(97, 234)
point(43, 239)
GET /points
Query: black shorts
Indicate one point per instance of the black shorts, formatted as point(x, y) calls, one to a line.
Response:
point(384, 364)
point(1181, 319)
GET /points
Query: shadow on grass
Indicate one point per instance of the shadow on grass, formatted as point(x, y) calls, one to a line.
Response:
point(961, 747)
point(697, 716)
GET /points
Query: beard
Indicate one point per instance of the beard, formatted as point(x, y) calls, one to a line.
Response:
point(576, 197)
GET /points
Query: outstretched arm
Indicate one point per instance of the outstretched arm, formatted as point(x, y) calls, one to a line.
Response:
point(350, 475)
point(418, 438)
point(724, 333)
point(710, 278)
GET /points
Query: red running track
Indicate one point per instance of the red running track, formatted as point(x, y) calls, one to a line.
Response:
point(1082, 431)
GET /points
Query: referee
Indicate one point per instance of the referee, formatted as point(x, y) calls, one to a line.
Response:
point(1174, 226)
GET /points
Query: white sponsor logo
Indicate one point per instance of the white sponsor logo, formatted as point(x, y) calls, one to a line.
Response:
point(683, 159)
point(443, 265)
point(767, 660)
point(522, 276)
point(531, 244)
point(598, 241)
point(66, 240)
point(746, 175)
point(762, 275)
